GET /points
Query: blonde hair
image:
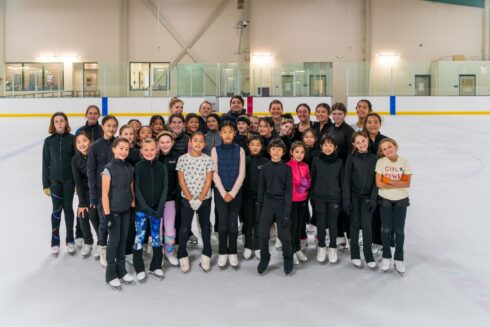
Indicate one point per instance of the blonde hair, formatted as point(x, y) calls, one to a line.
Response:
point(383, 141)
point(166, 133)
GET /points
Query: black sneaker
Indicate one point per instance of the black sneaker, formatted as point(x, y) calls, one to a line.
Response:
point(288, 266)
point(263, 264)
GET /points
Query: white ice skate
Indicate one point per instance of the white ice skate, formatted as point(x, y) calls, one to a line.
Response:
point(341, 242)
point(257, 254)
point(400, 267)
point(158, 273)
point(385, 264)
point(222, 258)
point(71, 248)
point(295, 259)
point(141, 277)
point(332, 255)
point(321, 255)
point(115, 284)
point(193, 241)
point(247, 253)
point(103, 256)
point(184, 264)
point(128, 279)
point(205, 263)
point(97, 253)
point(55, 250)
point(278, 244)
point(86, 250)
point(172, 259)
point(301, 256)
point(371, 264)
point(233, 261)
point(79, 242)
point(357, 263)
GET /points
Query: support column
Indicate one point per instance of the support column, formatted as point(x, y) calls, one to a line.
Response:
point(486, 31)
point(2, 47)
point(124, 48)
point(367, 42)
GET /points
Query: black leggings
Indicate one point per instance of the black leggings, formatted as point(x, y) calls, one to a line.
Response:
point(298, 218)
point(327, 213)
point(393, 215)
point(360, 218)
point(274, 210)
point(116, 246)
point(62, 199)
point(250, 223)
point(228, 227)
point(203, 214)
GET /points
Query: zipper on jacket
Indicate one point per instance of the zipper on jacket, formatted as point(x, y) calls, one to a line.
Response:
point(152, 186)
point(61, 178)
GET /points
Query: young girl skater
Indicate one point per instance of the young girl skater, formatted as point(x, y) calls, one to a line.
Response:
point(205, 109)
point(191, 123)
point(134, 155)
point(267, 132)
point(213, 137)
point(176, 106)
point(341, 131)
point(169, 158)
point(195, 172)
point(85, 214)
point(99, 155)
point(359, 197)
point(276, 110)
point(143, 133)
point(254, 124)
point(323, 123)
point(363, 108)
point(117, 199)
point(309, 139)
point(92, 127)
point(135, 124)
point(274, 203)
point(157, 124)
point(393, 177)
point(326, 189)
point(58, 151)
point(303, 112)
point(176, 124)
point(150, 188)
point(229, 162)
point(253, 166)
point(301, 186)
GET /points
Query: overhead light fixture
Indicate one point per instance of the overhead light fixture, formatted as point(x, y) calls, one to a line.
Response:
point(388, 58)
point(263, 58)
point(57, 58)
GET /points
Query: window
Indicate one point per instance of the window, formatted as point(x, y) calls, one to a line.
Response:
point(34, 76)
point(144, 75)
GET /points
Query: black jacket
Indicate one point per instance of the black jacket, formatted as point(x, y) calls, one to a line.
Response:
point(323, 130)
point(150, 186)
point(58, 149)
point(275, 185)
point(120, 193)
point(253, 166)
point(170, 162)
point(181, 143)
point(134, 155)
point(95, 132)
point(203, 127)
point(327, 174)
point(79, 168)
point(231, 116)
point(311, 154)
point(374, 145)
point(99, 155)
point(343, 138)
point(359, 176)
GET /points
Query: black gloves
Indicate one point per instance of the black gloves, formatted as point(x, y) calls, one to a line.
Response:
point(109, 220)
point(347, 208)
point(371, 205)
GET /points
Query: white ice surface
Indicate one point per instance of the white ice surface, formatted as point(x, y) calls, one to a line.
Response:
point(446, 248)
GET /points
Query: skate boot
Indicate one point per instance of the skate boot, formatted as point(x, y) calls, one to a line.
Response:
point(233, 261)
point(172, 259)
point(301, 256)
point(263, 264)
point(55, 250)
point(400, 267)
point(156, 262)
point(128, 279)
point(222, 258)
point(371, 265)
point(205, 263)
point(288, 266)
point(257, 254)
point(184, 264)
point(158, 273)
point(115, 284)
point(247, 253)
point(79, 242)
point(141, 277)
point(97, 253)
point(278, 244)
point(321, 255)
point(295, 259)
point(103, 256)
point(332, 255)
point(357, 263)
point(71, 248)
point(385, 264)
point(86, 250)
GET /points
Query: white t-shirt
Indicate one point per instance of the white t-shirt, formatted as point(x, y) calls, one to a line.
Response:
point(394, 171)
point(195, 170)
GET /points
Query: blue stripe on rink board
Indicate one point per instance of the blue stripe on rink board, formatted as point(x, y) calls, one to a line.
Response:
point(9, 155)
point(105, 108)
point(392, 105)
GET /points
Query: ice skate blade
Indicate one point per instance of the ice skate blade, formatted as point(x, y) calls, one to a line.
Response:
point(114, 288)
point(235, 268)
point(127, 283)
point(206, 271)
point(222, 267)
point(156, 276)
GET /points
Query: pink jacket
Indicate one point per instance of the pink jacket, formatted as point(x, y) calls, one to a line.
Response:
point(301, 180)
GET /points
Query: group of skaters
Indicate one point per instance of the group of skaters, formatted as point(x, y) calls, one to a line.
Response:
point(142, 188)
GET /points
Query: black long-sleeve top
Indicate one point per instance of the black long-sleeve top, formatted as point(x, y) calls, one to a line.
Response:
point(374, 145)
point(253, 166)
point(323, 130)
point(343, 139)
point(150, 186)
point(181, 143)
point(359, 176)
point(327, 175)
point(275, 184)
point(79, 168)
point(58, 149)
point(170, 162)
point(133, 156)
point(94, 132)
point(310, 154)
point(99, 155)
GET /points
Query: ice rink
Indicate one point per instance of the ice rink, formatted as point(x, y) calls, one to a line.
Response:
point(447, 252)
